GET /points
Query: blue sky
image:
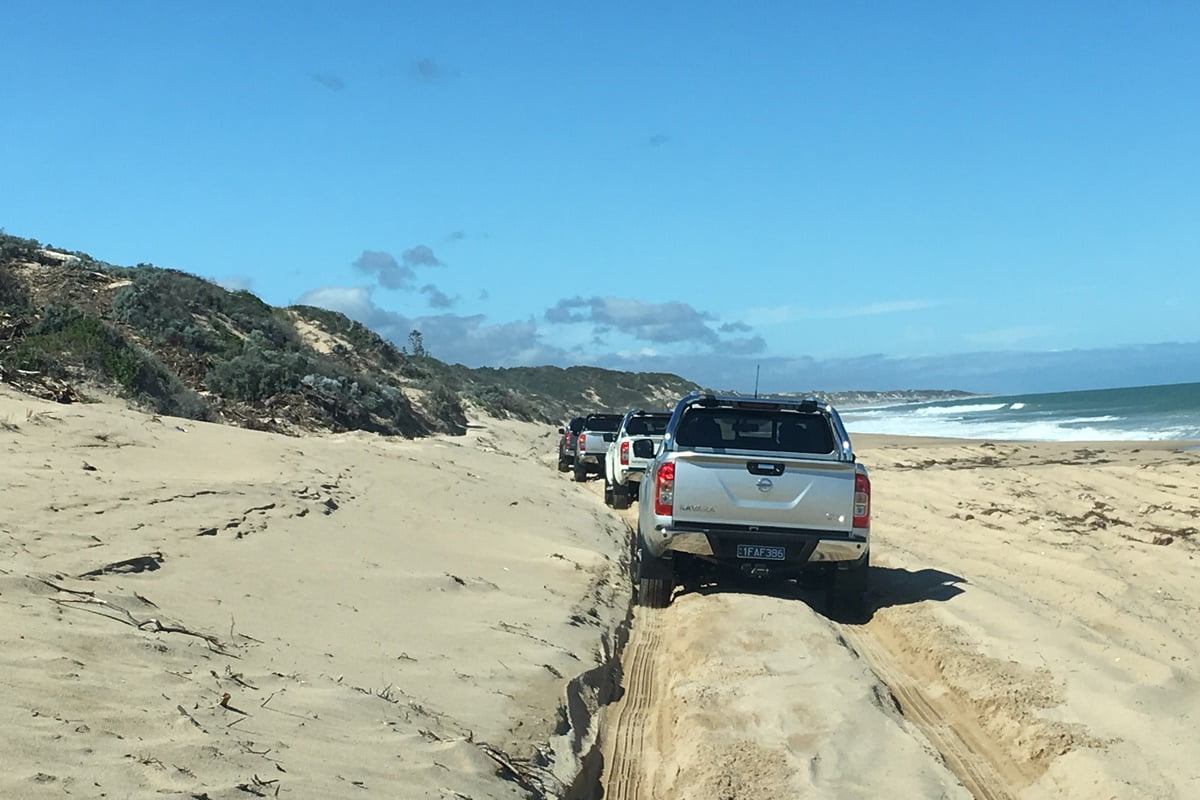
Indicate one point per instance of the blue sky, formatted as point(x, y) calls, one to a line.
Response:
point(996, 198)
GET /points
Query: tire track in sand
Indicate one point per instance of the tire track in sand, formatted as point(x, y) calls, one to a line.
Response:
point(625, 739)
point(962, 745)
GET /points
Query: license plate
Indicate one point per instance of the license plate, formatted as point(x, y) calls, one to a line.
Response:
point(763, 552)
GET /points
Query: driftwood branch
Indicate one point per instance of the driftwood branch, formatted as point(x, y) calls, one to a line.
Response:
point(56, 587)
point(263, 704)
point(39, 385)
point(191, 719)
point(122, 614)
point(511, 770)
point(259, 787)
point(236, 677)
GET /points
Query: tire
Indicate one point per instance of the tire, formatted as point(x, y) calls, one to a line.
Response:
point(564, 465)
point(580, 471)
point(847, 599)
point(608, 492)
point(621, 497)
point(655, 592)
point(655, 579)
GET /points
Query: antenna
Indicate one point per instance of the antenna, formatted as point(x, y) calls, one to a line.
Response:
point(757, 367)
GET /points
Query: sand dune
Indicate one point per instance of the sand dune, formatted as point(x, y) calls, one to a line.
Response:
point(193, 610)
point(312, 615)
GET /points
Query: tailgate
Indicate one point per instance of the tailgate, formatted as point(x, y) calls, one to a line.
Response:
point(597, 442)
point(779, 492)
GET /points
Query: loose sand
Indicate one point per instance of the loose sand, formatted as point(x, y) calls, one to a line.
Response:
point(385, 617)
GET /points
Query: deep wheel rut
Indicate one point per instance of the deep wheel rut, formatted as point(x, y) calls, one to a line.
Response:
point(626, 729)
point(632, 752)
point(639, 740)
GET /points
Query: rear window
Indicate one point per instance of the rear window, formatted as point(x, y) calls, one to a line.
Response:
point(741, 429)
point(647, 426)
point(603, 423)
point(576, 425)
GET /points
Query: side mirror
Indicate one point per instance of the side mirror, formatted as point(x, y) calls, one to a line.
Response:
point(643, 448)
point(563, 431)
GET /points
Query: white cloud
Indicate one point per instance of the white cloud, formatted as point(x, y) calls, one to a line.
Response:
point(778, 315)
point(235, 283)
point(452, 338)
point(353, 301)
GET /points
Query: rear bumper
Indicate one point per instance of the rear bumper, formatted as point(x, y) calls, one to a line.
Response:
point(801, 548)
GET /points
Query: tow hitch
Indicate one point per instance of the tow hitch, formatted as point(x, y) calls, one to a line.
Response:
point(756, 570)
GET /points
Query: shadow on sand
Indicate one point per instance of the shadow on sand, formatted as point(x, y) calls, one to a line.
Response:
point(888, 586)
point(901, 587)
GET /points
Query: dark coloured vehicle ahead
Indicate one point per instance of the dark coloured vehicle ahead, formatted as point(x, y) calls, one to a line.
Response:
point(566, 444)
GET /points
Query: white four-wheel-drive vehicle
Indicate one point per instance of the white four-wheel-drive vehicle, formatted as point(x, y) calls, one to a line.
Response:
point(637, 438)
point(762, 487)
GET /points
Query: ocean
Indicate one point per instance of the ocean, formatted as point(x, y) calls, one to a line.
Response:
point(1138, 413)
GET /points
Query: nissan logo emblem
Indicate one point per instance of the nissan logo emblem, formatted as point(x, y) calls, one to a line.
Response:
point(764, 484)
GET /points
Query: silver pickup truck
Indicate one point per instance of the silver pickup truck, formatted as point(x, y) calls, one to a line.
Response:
point(764, 487)
point(595, 435)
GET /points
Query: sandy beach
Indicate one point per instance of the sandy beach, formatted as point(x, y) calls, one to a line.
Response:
point(1032, 637)
point(198, 611)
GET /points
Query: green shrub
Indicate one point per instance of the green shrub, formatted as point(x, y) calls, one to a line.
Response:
point(503, 403)
point(159, 304)
point(85, 340)
point(444, 404)
point(66, 337)
point(163, 305)
point(13, 297)
point(161, 390)
point(15, 248)
point(259, 371)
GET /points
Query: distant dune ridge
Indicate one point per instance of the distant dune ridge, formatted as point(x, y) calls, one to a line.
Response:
point(176, 344)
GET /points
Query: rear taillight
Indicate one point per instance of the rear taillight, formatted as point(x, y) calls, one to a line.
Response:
point(583, 441)
point(625, 453)
point(664, 489)
point(862, 501)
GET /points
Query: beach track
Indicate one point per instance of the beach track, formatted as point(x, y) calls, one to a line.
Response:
point(676, 728)
point(637, 744)
point(967, 751)
point(626, 729)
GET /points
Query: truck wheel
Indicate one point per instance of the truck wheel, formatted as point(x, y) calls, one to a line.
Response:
point(655, 578)
point(655, 592)
point(580, 471)
point(620, 495)
point(847, 598)
point(563, 465)
point(608, 492)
